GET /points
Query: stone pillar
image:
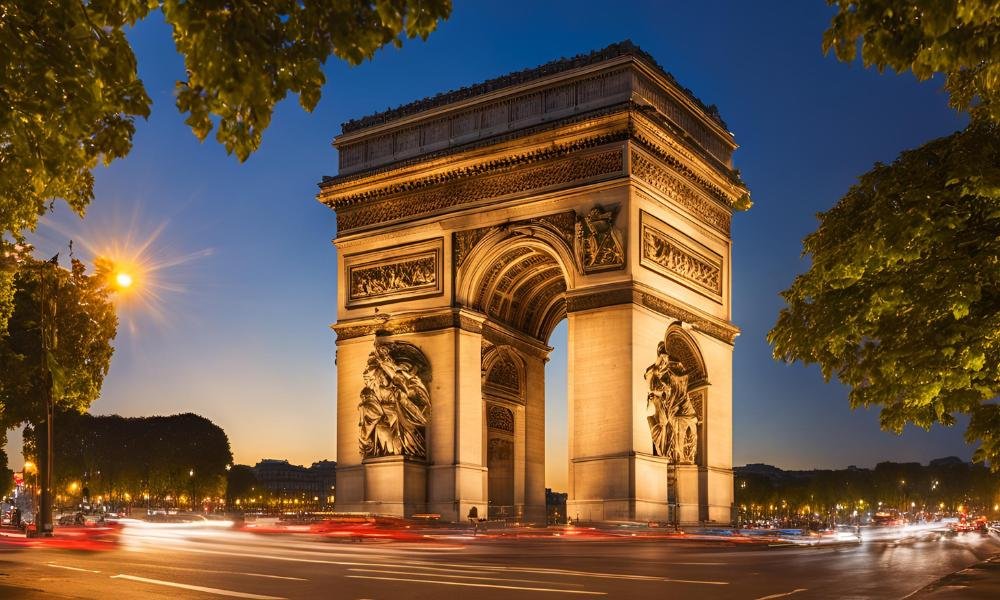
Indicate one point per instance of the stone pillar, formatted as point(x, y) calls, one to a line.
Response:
point(534, 440)
point(395, 485)
point(717, 499)
point(457, 476)
point(613, 475)
point(351, 357)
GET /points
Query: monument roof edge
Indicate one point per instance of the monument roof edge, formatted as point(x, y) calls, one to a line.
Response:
point(617, 50)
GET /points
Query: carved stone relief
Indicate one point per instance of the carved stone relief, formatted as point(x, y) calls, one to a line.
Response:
point(407, 274)
point(500, 418)
point(668, 256)
point(488, 181)
point(395, 402)
point(562, 224)
point(599, 245)
point(677, 190)
point(395, 274)
point(504, 373)
point(670, 411)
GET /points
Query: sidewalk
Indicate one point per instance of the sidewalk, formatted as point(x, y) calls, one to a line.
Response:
point(981, 580)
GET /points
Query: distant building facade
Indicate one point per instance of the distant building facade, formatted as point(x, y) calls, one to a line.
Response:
point(313, 484)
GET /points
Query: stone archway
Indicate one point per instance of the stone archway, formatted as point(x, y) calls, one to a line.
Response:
point(595, 190)
point(516, 276)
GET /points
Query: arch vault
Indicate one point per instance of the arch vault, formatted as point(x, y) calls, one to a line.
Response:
point(593, 189)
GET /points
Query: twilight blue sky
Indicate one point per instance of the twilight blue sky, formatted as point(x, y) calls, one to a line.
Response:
point(246, 342)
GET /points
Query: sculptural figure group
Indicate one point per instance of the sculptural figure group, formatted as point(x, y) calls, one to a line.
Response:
point(672, 417)
point(395, 402)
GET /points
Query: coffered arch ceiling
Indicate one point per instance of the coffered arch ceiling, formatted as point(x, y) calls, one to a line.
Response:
point(521, 283)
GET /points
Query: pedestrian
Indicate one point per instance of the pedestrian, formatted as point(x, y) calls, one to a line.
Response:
point(474, 519)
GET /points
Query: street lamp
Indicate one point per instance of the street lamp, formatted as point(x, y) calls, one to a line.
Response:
point(49, 336)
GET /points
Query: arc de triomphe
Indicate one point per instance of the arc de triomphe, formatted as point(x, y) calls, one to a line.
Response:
point(594, 189)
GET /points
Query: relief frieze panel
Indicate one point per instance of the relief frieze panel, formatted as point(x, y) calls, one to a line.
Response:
point(670, 253)
point(402, 273)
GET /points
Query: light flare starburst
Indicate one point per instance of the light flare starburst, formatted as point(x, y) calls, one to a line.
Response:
point(142, 268)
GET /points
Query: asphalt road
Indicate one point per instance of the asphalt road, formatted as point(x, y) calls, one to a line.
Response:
point(168, 564)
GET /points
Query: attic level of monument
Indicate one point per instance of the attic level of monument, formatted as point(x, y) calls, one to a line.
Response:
point(595, 191)
point(623, 48)
point(563, 93)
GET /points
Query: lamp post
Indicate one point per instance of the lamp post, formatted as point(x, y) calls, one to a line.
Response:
point(48, 302)
point(47, 324)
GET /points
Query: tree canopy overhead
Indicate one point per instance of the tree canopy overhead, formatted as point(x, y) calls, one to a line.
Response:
point(70, 91)
point(902, 298)
point(959, 38)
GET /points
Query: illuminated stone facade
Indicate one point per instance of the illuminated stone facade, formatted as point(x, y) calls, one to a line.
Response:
point(594, 189)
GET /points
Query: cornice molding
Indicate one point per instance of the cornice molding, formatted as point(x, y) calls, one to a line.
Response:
point(408, 323)
point(591, 299)
point(393, 198)
point(509, 177)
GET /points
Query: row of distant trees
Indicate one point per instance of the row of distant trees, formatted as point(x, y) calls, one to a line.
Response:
point(901, 486)
point(125, 459)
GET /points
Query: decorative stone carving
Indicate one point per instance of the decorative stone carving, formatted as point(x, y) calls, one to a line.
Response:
point(401, 273)
point(395, 402)
point(409, 274)
point(396, 326)
point(672, 416)
point(599, 245)
point(504, 373)
point(478, 183)
point(714, 327)
point(562, 224)
point(675, 189)
point(500, 418)
point(668, 256)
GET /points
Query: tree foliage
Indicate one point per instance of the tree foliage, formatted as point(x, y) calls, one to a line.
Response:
point(894, 485)
point(70, 90)
point(113, 456)
point(960, 38)
point(85, 325)
point(242, 482)
point(902, 301)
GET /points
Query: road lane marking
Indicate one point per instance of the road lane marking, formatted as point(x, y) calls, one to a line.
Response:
point(481, 585)
point(72, 568)
point(565, 573)
point(795, 591)
point(192, 569)
point(461, 576)
point(561, 572)
point(196, 588)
